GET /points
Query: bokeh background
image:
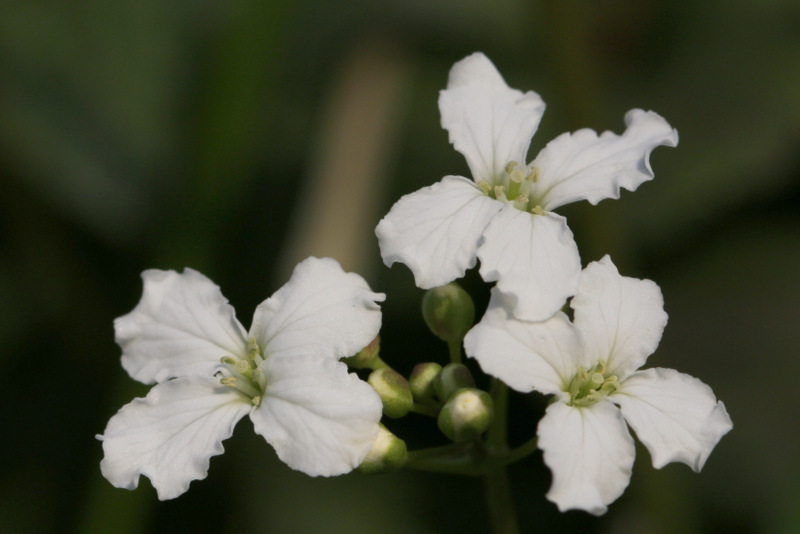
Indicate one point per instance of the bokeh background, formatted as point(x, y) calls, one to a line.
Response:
point(240, 137)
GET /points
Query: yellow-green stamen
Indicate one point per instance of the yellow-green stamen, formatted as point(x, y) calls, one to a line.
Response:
point(515, 185)
point(243, 373)
point(588, 387)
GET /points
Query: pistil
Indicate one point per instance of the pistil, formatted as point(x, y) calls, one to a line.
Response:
point(515, 180)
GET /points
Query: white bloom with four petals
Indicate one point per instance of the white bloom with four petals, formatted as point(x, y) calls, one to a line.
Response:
point(503, 216)
point(591, 366)
point(209, 373)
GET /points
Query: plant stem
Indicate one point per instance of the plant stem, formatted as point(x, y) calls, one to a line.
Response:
point(521, 452)
point(499, 500)
point(425, 409)
point(456, 459)
point(455, 351)
point(498, 432)
point(487, 459)
point(378, 363)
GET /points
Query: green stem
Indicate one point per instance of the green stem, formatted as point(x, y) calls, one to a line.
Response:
point(489, 460)
point(498, 432)
point(499, 501)
point(455, 459)
point(378, 363)
point(527, 448)
point(455, 351)
point(425, 409)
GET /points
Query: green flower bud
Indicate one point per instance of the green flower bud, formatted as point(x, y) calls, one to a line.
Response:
point(454, 376)
point(448, 312)
point(393, 390)
point(367, 357)
point(466, 415)
point(388, 453)
point(422, 380)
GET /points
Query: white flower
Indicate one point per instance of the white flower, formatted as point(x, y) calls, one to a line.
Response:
point(184, 336)
point(591, 366)
point(503, 216)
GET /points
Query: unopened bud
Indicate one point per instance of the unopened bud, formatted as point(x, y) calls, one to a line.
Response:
point(366, 357)
point(448, 312)
point(388, 453)
point(422, 380)
point(466, 415)
point(453, 377)
point(393, 390)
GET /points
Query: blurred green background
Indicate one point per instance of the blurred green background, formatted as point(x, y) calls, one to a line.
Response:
point(240, 137)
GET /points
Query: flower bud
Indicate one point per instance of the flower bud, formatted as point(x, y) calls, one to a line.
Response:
point(393, 390)
point(366, 357)
point(388, 453)
point(466, 415)
point(454, 376)
point(422, 380)
point(448, 312)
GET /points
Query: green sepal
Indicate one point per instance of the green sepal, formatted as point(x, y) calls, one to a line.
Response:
point(449, 312)
point(453, 377)
point(368, 357)
point(393, 390)
point(466, 415)
point(388, 453)
point(422, 380)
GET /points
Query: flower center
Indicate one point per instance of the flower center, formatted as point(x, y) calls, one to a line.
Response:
point(243, 374)
point(515, 187)
point(588, 387)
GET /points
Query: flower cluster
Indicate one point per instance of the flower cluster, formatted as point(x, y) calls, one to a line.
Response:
point(504, 218)
point(286, 373)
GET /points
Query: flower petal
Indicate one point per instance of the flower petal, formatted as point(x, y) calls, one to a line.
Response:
point(620, 319)
point(534, 260)
point(488, 122)
point(590, 454)
point(182, 326)
point(322, 310)
point(320, 419)
point(583, 166)
point(170, 435)
point(524, 355)
point(675, 415)
point(435, 231)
